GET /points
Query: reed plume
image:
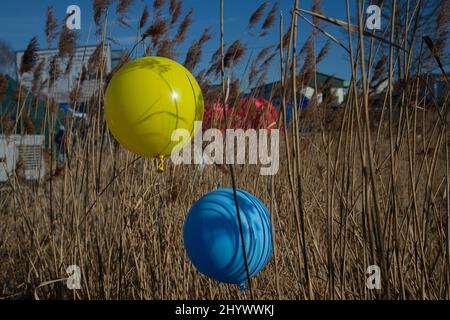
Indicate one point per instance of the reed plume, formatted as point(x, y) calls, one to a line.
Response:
point(29, 57)
point(124, 59)
point(442, 29)
point(99, 7)
point(158, 6)
point(54, 70)
point(323, 52)
point(67, 42)
point(123, 6)
point(37, 78)
point(69, 65)
point(167, 48)
point(214, 63)
point(194, 53)
point(3, 87)
point(96, 58)
point(270, 19)
point(175, 10)
point(156, 31)
point(183, 28)
point(144, 18)
point(51, 25)
point(263, 53)
point(234, 53)
point(379, 69)
point(257, 16)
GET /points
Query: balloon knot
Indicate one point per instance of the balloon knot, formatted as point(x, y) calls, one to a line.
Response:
point(243, 287)
point(161, 164)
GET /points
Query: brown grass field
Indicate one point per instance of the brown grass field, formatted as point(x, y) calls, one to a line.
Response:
point(369, 185)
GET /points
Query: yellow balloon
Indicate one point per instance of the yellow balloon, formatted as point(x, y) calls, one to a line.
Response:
point(147, 100)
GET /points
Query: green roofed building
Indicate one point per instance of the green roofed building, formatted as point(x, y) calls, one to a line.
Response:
point(30, 115)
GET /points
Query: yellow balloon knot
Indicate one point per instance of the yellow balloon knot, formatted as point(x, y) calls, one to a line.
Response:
point(161, 164)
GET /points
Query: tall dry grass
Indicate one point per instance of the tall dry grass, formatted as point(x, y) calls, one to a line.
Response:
point(368, 186)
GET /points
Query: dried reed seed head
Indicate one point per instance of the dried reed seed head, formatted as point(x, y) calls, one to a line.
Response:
point(123, 6)
point(253, 73)
point(286, 38)
point(205, 37)
point(54, 70)
point(67, 42)
point(215, 56)
point(3, 87)
point(172, 6)
point(379, 68)
point(29, 57)
point(317, 8)
point(266, 64)
point(158, 6)
point(201, 75)
point(442, 28)
point(69, 65)
point(257, 15)
point(75, 93)
point(270, 19)
point(83, 74)
point(175, 10)
point(194, 53)
point(148, 51)
point(215, 63)
point(144, 17)
point(28, 124)
point(99, 7)
point(305, 48)
point(263, 53)
point(235, 90)
point(262, 78)
point(192, 56)
point(323, 52)
point(214, 69)
point(124, 59)
point(157, 30)
point(51, 25)
point(166, 48)
point(18, 96)
point(7, 125)
point(234, 53)
point(96, 58)
point(184, 26)
point(37, 78)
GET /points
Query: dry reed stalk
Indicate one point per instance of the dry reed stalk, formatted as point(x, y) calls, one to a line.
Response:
point(231, 168)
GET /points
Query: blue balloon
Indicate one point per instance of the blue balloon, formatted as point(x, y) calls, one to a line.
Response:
point(212, 239)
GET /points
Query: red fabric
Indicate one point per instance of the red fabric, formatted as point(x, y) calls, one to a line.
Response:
point(250, 113)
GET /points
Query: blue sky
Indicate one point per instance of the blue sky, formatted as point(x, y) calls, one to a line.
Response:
point(23, 19)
